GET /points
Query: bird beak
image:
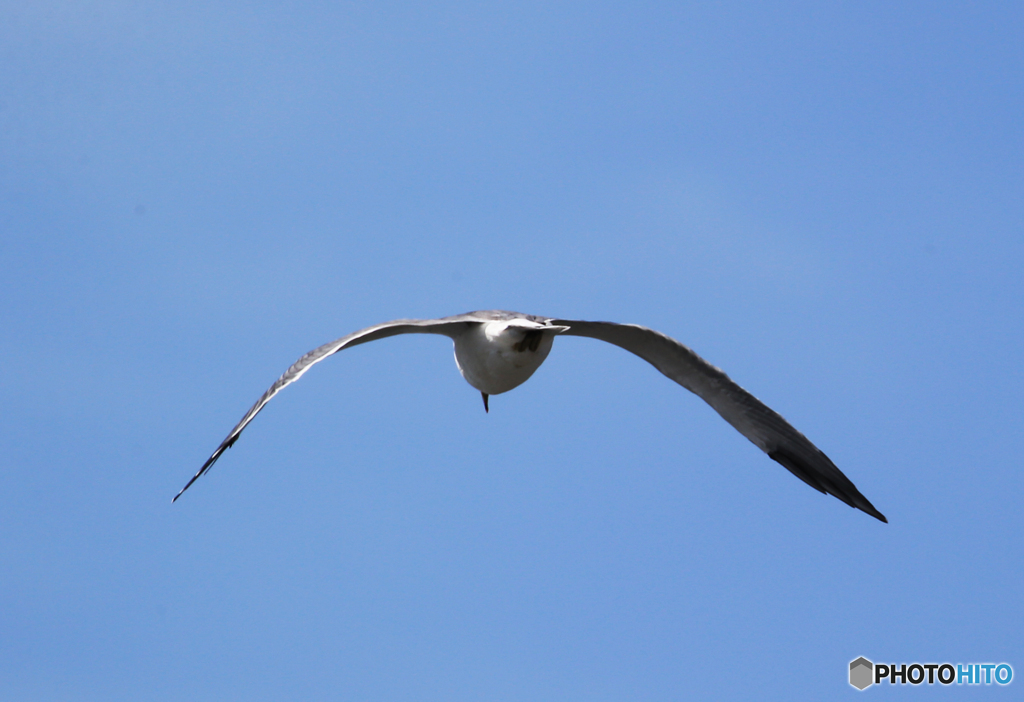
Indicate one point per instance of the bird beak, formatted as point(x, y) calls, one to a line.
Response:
point(486, 408)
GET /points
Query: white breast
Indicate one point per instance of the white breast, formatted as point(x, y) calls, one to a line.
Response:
point(491, 358)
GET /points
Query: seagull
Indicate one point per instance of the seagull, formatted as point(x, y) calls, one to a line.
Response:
point(497, 351)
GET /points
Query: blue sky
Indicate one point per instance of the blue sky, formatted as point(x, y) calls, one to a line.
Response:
point(825, 201)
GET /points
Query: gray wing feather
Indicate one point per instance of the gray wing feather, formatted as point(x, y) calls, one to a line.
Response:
point(751, 417)
point(448, 326)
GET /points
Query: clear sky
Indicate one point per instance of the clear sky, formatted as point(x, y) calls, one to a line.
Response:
point(825, 200)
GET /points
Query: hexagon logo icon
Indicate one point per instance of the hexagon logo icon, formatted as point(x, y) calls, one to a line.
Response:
point(861, 673)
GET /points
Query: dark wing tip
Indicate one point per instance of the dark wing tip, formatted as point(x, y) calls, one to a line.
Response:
point(206, 466)
point(841, 488)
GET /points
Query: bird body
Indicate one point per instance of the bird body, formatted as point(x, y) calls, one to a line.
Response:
point(495, 357)
point(497, 351)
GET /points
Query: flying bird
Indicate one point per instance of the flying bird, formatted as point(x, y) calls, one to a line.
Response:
point(497, 351)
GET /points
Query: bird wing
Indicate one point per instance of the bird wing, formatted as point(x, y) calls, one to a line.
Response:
point(448, 326)
point(751, 417)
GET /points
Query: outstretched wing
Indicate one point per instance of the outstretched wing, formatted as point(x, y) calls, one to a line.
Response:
point(751, 417)
point(448, 326)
